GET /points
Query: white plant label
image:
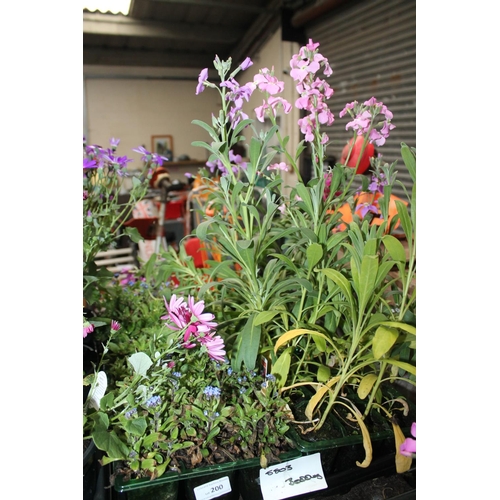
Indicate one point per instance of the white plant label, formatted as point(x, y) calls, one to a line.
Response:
point(213, 489)
point(99, 390)
point(292, 478)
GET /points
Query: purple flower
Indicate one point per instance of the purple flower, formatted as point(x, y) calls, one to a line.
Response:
point(88, 163)
point(122, 161)
point(114, 142)
point(364, 208)
point(146, 155)
point(246, 64)
point(201, 78)
point(158, 159)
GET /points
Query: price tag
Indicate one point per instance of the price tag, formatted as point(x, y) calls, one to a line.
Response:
point(213, 489)
point(292, 478)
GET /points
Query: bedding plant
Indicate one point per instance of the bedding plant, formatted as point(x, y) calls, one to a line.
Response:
point(315, 283)
point(308, 289)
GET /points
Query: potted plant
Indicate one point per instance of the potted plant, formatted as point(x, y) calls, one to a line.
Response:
point(104, 215)
point(315, 302)
point(182, 407)
point(325, 295)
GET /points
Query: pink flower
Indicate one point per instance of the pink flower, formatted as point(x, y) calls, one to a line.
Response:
point(115, 326)
point(215, 347)
point(178, 313)
point(278, 166)
point(201, 78)
point(267, 82)
point(87, 328)
point(409, 446)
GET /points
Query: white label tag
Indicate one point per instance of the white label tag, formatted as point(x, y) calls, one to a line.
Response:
point(213, 489)
point(99, 390)
point(292, 478)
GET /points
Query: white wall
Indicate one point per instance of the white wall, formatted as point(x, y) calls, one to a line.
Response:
point(134, 109)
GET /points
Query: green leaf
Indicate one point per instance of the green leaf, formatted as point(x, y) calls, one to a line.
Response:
point(264, 317)
point(341, 281)
point(314, 254)
point(135, 426)
point(367, 278)
point(394, 247)
point(405, 219)
point(247, 345)
point(324, 374)
point(400, 364)
point(410, 161)
point(281, 367)
point(383, 340)
point(111, 444)
point(255, 149)
point(303, 192)
point(150, 439)
point(207, 127)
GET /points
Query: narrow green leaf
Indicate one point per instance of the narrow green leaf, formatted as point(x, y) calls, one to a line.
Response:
point(341, 282)
point(400, 364)
point(314, 254)
point(410, 160)
point(281, 367)
point(367, 278)
point(264, 317)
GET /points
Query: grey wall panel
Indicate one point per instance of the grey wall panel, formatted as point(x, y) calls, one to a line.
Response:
point(371, 47)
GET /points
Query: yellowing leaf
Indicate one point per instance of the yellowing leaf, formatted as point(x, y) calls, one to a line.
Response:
point(366, 384)
point(403, 463)
point(313, 402)
point(287, 336)
point(367, 442)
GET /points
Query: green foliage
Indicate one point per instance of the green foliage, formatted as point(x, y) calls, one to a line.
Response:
point(181, 407)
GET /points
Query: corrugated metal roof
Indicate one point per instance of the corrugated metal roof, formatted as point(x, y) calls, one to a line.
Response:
point(182, 33)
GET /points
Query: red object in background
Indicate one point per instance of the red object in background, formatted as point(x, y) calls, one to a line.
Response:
point(368, 153)
point(175, 209)
point(146, 226)
point(194, 249)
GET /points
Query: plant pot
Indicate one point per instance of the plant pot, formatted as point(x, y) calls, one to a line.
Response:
point(341, 444)
point(164, 491)
point(189, 479)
